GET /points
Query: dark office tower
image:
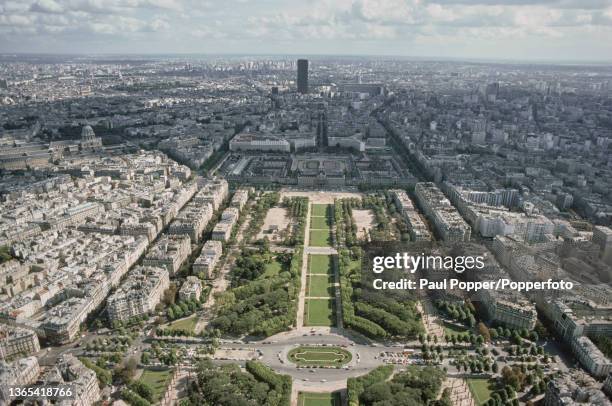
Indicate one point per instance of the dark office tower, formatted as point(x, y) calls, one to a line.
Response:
point(302, 75)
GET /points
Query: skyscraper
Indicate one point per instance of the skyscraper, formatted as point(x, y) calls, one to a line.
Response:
point(302, 75)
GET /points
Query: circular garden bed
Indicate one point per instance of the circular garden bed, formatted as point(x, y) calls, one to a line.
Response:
point(319, 356)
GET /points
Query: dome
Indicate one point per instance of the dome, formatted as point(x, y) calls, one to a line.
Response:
point(87, 132)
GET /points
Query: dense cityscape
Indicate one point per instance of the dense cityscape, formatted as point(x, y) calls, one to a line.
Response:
point(196, 230)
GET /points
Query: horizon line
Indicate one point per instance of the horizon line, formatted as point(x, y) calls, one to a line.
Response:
point(323, 55)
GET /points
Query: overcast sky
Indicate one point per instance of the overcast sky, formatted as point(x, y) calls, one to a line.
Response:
point(578, 30)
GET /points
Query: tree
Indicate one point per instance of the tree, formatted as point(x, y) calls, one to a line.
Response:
point(170, 294)
point(127, 371)
point(133, 398)
point(143, 389)
point(504, 395)
point(493, 333)
point(483, 330)
point(513, 377)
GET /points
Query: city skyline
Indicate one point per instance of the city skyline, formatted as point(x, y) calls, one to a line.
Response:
point(285, 211)
point(526, 30)
point(166, 221)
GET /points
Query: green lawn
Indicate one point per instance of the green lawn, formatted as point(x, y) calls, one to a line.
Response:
point(320, 264)
point(187, 324)
point(319, 356)
point(320, 210)
point(158, 380)
point(452, 329)
point(318, 399)
point(319, 222)
point(272, 269)
point(481, 389)
point(320, 238)
point(320, 286)
point(319, 312)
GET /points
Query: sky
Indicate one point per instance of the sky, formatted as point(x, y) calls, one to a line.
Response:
point(568, 30)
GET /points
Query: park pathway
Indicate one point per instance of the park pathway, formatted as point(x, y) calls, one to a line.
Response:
point(302, 296)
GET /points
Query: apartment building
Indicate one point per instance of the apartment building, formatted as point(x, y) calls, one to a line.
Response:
point(191, 289)
point(169, 252)
point(240, 198)
point(208, 258)
point(574, 388)
point(213, 191)
point(508, 309)
point(416, 225)
point(74, 216)
point(259, 142)
point(192, 221)
point(69, 371)
point(139, 294)
point(590, 357)
point(21, 372)
point(446, 219)
point(16, 340)
point(602, 236)
point(223, 229)
point(62, 322)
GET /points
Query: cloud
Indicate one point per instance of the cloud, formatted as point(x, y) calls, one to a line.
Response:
point(46, 6)
point(341, 24)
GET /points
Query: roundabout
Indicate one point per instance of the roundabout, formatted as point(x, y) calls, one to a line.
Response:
point(319, 356)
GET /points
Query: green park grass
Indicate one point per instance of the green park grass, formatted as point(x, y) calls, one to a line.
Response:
point(158, 380)
point(187, 324)
point(320, 210)
point(320, 286)
point(453, 329)
point(272, 269)
point(320, 264)
point(318, 399)
point(319, 312)
point(481, 389)
point(319, 356)
point(320, 238)
point(319, 222)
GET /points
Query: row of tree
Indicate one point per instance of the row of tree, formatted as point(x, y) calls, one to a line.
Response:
point(265, 305)
point(227, 385)
point(346, 228)
point(463, 313)
point(415, 386)
point(373, 313)
point(183, 309)
point(298, 209)
point(347, 276)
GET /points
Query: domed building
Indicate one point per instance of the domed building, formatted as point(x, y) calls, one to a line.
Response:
point(89, 139)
